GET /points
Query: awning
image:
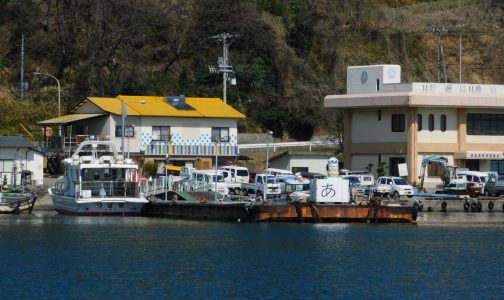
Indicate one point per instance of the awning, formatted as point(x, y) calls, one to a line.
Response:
point(68, 119)
point(173, 168)
point(479, 155)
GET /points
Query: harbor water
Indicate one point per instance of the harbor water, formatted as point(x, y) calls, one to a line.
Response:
point(49, 256)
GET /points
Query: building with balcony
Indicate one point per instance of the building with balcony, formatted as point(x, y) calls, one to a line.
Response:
point(191, 130)
point(386, 121)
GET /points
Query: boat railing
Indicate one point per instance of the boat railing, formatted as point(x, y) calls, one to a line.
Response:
point(109, 189)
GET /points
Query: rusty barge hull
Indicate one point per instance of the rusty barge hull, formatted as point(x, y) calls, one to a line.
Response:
point(298, 213)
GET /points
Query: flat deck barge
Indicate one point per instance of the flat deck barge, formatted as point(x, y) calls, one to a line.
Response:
point(202, 206)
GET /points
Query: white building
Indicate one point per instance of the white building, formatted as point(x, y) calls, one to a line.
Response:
point(300, 161)
point(192, 130)
point(393, 122)
point(16, 155)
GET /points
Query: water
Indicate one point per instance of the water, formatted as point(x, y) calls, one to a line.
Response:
point(58, 257)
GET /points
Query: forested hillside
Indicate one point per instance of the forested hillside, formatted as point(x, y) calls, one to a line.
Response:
point(288, 54)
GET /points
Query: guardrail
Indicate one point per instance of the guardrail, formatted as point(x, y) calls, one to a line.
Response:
point(327, 143)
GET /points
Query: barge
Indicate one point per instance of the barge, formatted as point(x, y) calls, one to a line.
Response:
point(202, 206)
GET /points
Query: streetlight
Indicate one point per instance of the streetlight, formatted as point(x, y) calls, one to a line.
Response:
point(268, 133)
point(123, 120)
point(59, 93)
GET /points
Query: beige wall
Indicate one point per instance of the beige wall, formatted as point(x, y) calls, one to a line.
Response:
point(366, 128)
point(437, 136)
point(360, 162)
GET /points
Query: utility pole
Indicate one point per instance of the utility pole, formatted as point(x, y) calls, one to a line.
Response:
point(22, 68)
point(222, 62)
point(441, 62)
point(460, 56)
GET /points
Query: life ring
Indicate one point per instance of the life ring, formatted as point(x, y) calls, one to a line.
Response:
point(466, 206)
point(490, 206)
point(443, 206)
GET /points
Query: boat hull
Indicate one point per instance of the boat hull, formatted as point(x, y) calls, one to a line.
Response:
point(297, 213)
point(14, 203)
point(98, 206)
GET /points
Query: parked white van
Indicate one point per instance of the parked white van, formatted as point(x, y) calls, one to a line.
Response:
point(478, 178)
point(238, 174)
point(278, 172)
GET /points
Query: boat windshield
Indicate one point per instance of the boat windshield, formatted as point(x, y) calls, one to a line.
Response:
point(108, 174)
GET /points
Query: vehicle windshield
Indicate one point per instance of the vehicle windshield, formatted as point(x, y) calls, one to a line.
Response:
point(400, 181)
point(242, 173)
point(297, 187)
point(354, 180)
point(272, 179)
point(219, 178)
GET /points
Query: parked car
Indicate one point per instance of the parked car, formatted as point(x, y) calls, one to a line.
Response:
point(398, 186)
point(360, 185)
point(310, 175)
point(381, 187)
point(495, 184)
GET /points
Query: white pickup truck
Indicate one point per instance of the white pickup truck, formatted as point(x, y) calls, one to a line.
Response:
point(258, 185)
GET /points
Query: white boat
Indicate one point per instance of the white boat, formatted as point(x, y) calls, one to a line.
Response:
point(98, 182)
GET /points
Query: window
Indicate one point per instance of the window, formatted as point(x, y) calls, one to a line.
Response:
point(419, 122)
point(299, 169)
point(497, 166)
point(161, 133)
point(431, 122)
point(379, 115)
point(443, 123)
point(82, 130)
point(128, 129)
point(398, 122)
point(473, 164)
point(485, 124)
point(222, 133)
point(377, 84)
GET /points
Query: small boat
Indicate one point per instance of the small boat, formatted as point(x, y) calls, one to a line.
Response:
point(16, 199)
point(15, 202)
point(98, 182)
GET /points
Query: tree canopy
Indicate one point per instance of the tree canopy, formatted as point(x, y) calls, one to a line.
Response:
point(287, 56)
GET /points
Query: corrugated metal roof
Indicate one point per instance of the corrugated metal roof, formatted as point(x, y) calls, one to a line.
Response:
point(14, 142)
point(157, 106)
point(68, 119)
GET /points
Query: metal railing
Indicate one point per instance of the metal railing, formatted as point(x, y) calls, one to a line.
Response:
point(326, 143)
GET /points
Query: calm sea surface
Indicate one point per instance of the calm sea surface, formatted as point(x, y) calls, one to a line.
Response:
point(58, 257)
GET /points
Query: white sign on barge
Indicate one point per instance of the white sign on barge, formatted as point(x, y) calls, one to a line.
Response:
point(330, 190)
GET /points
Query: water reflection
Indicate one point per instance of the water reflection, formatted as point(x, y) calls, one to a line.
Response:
point(159, 258)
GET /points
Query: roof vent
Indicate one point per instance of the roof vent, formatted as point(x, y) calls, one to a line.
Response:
point(179, 102)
